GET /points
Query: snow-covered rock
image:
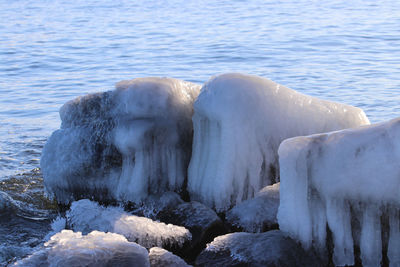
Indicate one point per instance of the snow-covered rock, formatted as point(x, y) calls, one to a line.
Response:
point(350, 181)
point(246, 249)
point(257, 214)
point(122, 144)
point(160, 257)
point(86, 216)
point(66, 249)
point(239, 122)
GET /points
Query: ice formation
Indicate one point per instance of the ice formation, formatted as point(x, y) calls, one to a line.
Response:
point(350, 181)
point(257, 214)
point(161, 257)
point(86, 216)
point(122, 144)
point(67, 249)
point(239, 122)
point(271, 248)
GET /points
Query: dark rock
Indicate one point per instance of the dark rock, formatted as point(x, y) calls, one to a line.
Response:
point(272, 248)
point(202, 222)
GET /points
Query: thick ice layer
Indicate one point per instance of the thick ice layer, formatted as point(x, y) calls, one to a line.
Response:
point(67, 249)
point(257, 214)
point(239, 122)
point(86, 216)
point(122, 144)
point(350, 181)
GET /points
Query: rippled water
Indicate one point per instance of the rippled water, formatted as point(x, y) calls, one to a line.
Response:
point(53, 51)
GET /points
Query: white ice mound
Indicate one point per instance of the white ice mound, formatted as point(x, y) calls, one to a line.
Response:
point(350, 181)
point(69, 249)
point(122, 144)
point(86, 216)
point(239, 122)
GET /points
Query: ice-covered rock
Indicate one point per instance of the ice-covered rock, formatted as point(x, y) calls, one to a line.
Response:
point(202, 222)
point(239, 122)
point(122, 144)
point(246, 249)
point(257, 214)
point(347, 180)
point(67, 249)
point(160, 257)
point(153, 205)
point(86, 216)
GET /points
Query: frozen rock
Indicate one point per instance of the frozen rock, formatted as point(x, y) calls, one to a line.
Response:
point(153, 205)
point(257, 214)
point(160, 257)
point(239, 122)
point(202, 222)
point(86, 216)
point(347, 180)
point(247, 249)
point(67, 249)
point(123, 144)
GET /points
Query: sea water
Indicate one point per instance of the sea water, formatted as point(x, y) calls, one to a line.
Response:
point(53, 51)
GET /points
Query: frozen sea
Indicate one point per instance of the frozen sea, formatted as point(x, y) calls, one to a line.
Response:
point(53, 51)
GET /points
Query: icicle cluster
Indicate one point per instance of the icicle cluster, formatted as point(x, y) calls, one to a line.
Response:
point(239, 122)
point(350, 181)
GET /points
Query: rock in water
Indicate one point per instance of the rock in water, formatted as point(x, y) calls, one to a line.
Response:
point(246, 249)
point(122, 144)
point(347, 180)
point(68, 249)
point(257, 214)
point(239, 122)
point(162, 258)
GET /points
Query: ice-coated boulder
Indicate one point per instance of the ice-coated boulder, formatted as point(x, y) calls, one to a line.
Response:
point(153, 205)
point(257, 214)
point(347, 180)
point(160, 257)
point(66, 249)
point(247, 249)
point(86, 216)
point(239, 121)
point(122, 144)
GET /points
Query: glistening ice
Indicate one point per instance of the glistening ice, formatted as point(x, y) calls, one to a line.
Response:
point(239, 121)
point(350, 181)
point(122, 144)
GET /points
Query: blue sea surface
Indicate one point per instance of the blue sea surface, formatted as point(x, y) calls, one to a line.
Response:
point(53, 51)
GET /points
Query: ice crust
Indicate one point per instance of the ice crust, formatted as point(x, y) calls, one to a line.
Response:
point(161, 257)
point(85, 216)
point(68, 248)
point(239, 122)
point(350, 181)
point(259, 213)
point(122, 144)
